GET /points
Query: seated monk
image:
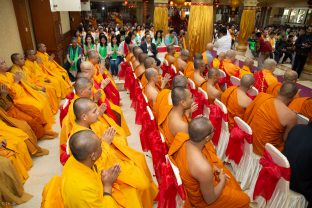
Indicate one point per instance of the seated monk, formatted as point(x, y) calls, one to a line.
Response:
point(135, 59)
point(38, 74)
point(270, 119)
point(35, 105)
point(181, 62)
point(302, 105)
point(151, 90)
point(97, 88)
point(13, 147)
point(140, 69)
point(82, 184)
point(130, 54)
point(197, 77)
point(149, 62)
point(236, 100)
point(169, 57)
point(207, 55)
point(229, 66)
point(176, 120)
point(265, 77)
point(163, 103)
point(217, 62)
point(134, 186)
point(37, 91)
point(50, 64)
point(11, 189)
point(189, 68)
point(8, 109)
point(211, 87)
point(207, 182)
point(289, 76)
point(248, 65)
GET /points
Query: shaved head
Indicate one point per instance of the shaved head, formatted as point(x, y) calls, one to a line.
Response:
point(136, 51)
point(178, 94)
point(221, 56)
point(212, 72)
point(249, 62)
point(3, 66)
point(86, 66)
point(83, 143)
point(288, 90)
point(270, 64)
point(199, 64)
point(199, 129)
point(14, 57)
point(92, 54)
point(150, 73)
point(230, 54)
point(209, 47)
point(290, 76)
point(247, 81)
point(149, 62)
point(81, 84)
point(142, 57)
point(82, 106)
point(185, 53)
point(170, 49)
point(82, 75)
point(179, 81)
point(198, 56)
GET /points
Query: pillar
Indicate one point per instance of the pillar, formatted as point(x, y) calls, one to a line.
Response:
point(247, 24)
point(139, 12)
point(160, 18)
point(307, 71)
point(200, 26)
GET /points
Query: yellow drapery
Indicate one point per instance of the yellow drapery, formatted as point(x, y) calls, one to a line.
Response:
point(161, 18)
point(200, 28)
point(247, 25)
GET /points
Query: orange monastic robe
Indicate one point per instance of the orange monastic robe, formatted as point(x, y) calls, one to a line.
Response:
point(189, 69)
point(273, 89)
point(244, 70)
point(231, 196)
point(27, 100)
point(16, 141)
point(162, 100)
point(134, 186)
point(262, 117)
point(265, 79)
point(302, 105)
point(229, 99)
point(230, 68)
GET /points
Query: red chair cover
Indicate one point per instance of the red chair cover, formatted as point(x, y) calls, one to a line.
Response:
point(235, 148)
point(216, 116)
point(122, 72)
point(63, 156)
point(128, 74)
point(147, 126)
point(111, 92)
point(200, 100)
point(269, 176)
point(260, 82)
point(64, 109)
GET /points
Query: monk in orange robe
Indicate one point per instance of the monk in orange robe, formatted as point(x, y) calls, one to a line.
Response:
point(270, 119)
point(302, 105)
point(207, 55)
point(246, 69)
point(289, 76)
point(211, 85)
point(236, 99)
point(229, 66)
point(149, 62)
point(207, 182)
point(197, 76)
point(50, 64)
point(265, 78)
point(169, 57)
point(134, 186)
point(175, 118)
point(180, 63)
point(26, 99)
point(130, 54)
point(189, 68)
point(140, 69)
point(217, 62)
point(135, 59)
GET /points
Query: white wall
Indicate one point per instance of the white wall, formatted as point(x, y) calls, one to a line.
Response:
point(10, 41)
point(65, 22)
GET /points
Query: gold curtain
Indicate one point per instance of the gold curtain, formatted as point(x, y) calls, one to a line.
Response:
point(161, 18)
point(200, 28)
point(247, 25)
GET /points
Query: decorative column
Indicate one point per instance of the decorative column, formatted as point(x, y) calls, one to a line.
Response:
point(139, 11)
point(307, 71)
point(200, 26)
point(247, 24)
point(161, 15)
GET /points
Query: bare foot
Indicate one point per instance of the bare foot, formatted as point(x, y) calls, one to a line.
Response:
point(41, 152)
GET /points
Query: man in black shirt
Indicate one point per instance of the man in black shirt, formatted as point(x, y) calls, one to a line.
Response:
point(298, 150)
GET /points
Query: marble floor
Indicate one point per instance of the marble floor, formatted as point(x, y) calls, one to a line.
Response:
point(44, 168)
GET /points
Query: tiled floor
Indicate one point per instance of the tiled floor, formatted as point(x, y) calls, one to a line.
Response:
point(44, 168)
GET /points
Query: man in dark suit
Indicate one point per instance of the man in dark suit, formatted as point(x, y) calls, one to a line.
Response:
point(150, 48)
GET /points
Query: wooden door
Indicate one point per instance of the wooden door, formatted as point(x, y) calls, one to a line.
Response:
point(23, 23)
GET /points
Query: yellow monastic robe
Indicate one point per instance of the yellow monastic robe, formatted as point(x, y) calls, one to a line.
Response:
point(82, 187)
point(35, 78)
point(216, 63)
point(52, 194)
point(189, 69)
point(244, 70)
point(27, 100)
point(11, 187)
point(16, 141)
point(134, 186)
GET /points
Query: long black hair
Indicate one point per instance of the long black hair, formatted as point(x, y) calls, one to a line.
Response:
point(92, 39)
point(103, 36)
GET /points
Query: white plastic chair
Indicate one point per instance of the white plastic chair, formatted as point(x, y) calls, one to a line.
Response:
point(301, 119)
point(181, 73)
point(235, 81)
point(131, 65)
point(140, 85)
point(145, 98)
point(174, 68)
point(253, 91)
point(280, 195)
point(166, 62)
point(206, 109)
point(225, 134)
point(222, 73)
point(193, 86)
point(245, 170)
point(150, 112)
